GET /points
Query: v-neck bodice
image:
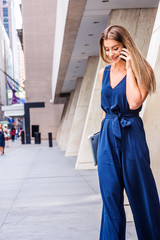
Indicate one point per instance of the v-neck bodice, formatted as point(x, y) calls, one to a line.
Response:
point(117, 83)
point(115, 96)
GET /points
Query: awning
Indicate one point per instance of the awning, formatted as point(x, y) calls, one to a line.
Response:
point(15, 110)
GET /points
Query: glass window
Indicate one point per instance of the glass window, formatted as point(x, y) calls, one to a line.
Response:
point(6, 26)
point(5, 20)
point(4, 2)
point(5, 12)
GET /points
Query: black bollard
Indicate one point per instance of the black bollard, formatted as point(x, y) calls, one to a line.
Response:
point(22, 137)
point(50, 139)
point(37, 138)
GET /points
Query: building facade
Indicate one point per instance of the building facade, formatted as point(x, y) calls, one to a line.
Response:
point(5, 66)
point(7, 16)
point(38, 34)
point(7, 9)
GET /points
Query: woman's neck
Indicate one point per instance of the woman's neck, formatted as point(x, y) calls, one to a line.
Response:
point(120, 66)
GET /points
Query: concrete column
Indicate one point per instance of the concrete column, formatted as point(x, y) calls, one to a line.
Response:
point(69, 120)
point(92, 124)
point(62, 121)
point(62, 138)
point(151, 119)
point(82, 108)
point(133, 20)
point(151, 113)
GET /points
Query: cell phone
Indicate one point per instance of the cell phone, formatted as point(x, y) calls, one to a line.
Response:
point(123, 55)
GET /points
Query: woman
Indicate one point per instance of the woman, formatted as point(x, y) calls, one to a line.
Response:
point(123, 156)
point(2, 140)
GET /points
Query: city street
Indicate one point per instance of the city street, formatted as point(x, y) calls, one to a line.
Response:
point(70, 69)
point(43, 197)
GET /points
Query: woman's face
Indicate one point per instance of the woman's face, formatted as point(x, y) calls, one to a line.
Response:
point(113, 49)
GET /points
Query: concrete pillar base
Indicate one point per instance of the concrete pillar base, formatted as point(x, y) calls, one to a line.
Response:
point(71, 154)
point(85, 166)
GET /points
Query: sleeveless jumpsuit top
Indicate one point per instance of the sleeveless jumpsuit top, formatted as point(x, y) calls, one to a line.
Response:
point(123, 128)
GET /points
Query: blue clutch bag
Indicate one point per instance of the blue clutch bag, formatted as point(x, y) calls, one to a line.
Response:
point(94, 145)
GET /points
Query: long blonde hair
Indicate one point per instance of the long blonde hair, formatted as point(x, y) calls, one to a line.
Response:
point(141, 68)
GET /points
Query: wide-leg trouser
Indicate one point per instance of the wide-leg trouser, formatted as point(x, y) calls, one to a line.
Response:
point(136, 177)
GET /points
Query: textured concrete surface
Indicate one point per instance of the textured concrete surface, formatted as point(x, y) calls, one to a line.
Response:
point(133, 20)
point(92, 123)
point(42, 196)
point(151, 113)
point(71, 113)
point(62, 143)
point(82, 108)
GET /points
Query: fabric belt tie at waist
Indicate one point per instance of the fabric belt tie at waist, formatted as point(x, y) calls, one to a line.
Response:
point(119, 120)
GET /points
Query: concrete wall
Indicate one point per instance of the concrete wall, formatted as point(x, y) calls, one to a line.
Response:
point(39, 30)
point(133, 20)
point(139, 23)
point(82, 108)
point(60, 129)
point(151, 113)
point(92, 123)
point(71, 112)
point(64, 133)
point(151, 121)
point(47, 118)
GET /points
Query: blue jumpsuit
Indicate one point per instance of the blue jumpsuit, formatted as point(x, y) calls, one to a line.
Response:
point(124, 162)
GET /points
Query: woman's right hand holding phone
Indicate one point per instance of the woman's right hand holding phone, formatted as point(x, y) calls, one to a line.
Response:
point(126, 57)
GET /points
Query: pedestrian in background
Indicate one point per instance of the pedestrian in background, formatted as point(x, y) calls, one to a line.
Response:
point(2, 140)
point(16, 133)
point(123, 155)
point(6, 135)
point(12, 134)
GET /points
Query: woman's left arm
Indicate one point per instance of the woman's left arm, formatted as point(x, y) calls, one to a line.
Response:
point(135, 94)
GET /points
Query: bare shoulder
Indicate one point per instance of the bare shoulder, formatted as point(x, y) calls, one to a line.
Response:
point(101, 75)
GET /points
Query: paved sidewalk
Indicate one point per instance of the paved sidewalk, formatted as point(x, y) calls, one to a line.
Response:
point(42, 196)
